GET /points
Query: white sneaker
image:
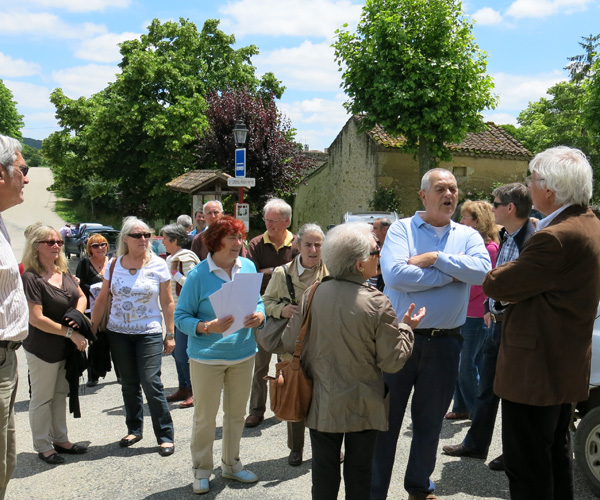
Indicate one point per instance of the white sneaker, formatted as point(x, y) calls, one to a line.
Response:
point(243, 476)
point(201, 484)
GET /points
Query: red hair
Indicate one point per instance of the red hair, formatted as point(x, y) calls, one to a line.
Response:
point(222, 227)
point(95, 238)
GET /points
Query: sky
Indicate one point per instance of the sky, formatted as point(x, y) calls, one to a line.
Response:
point(73, 44)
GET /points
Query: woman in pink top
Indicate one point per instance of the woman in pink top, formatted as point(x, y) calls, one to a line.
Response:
point(478, 215)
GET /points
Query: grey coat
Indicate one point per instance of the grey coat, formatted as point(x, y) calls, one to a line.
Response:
point(353, 337)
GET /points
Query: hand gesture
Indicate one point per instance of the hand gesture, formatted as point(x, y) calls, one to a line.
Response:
point(413, 320)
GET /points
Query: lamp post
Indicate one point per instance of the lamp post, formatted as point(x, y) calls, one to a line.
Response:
point(240, 134)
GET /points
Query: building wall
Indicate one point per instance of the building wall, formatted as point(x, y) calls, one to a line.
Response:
point(357, 166)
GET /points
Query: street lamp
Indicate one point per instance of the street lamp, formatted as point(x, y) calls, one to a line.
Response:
point(240, 132)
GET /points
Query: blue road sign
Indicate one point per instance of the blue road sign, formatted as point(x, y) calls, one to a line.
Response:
point(240, 162)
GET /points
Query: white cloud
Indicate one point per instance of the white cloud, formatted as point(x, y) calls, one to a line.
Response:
point(81, 5)
point(487, 16)
point(501, 118)
point(28, 95)
point(85, 80)
point(543, 8)
point(315, 112)
point(517, 91)
point(104, 48)
point(307, 67)
point(43, 24)
point(305, 18)
point(11, 68)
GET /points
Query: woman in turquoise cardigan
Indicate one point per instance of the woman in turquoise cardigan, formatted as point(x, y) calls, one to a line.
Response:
point(217, 362)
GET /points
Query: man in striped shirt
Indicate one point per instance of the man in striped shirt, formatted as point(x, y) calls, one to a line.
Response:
point(14, 313)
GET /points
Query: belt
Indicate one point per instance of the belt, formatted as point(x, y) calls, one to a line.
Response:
point(439, 332)
point(497, 318)
point(9, 344)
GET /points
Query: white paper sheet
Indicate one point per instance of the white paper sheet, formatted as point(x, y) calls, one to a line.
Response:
point(237, 298)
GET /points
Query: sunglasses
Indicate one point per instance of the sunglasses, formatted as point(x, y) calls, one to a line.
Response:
point(498, 204)
point(23, 169)
point(99, 245)
point(375, 252)
point(139, 236)
point(51, 243)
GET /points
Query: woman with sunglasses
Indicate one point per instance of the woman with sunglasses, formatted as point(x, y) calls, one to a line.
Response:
point(51, 290)
point(139, 282)
point(90, 271)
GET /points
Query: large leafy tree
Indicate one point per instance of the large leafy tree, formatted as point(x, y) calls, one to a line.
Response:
point(413, 67)
point(274, 159)
point(127, 141)
point(11, 121)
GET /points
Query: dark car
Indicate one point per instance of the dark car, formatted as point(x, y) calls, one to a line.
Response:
point(73, 244)
point(111, 235)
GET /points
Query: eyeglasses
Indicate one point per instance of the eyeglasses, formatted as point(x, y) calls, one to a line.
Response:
point(51, 243)
point(467, 217)
point(529, 180)
point(99, 245)
point(23, 168)
point(214, 212)
point(139, 236)
point(272, 221)
point(499, 204)
point(375, 252)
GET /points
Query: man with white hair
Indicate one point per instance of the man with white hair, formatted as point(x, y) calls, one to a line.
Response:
point(552, 289)
point(213, 210)
point(275, 247)
point(14, 312)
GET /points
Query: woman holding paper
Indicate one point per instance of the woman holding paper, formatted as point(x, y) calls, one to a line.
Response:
point(220, 360)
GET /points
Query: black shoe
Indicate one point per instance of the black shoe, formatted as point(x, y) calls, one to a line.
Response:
point(497, 463)
point(91, 383)
point(295, 458)
point(166, 451)
point(124, 443)
point(74, 450)
point(459, 450)
point(54, 459)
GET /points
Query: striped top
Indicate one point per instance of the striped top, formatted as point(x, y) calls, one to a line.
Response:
point(14, 312)
point(180, 264)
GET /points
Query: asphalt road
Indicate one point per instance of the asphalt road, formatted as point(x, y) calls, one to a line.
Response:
point(109, 472)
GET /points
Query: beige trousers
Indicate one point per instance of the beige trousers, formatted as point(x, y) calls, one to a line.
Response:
point(48, 404)
point(8, 391)
point(208, 381)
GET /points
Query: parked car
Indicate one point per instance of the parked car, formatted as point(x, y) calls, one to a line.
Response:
point(368, 216)
point(73, 243)
point(158, 247)
point(587, 434)
point(111, 235)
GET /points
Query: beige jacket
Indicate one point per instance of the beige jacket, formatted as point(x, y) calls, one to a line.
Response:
point(277, 289)
point(353, 336)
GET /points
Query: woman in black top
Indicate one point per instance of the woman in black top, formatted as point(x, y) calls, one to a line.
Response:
point(51, 290)
point(90, 271)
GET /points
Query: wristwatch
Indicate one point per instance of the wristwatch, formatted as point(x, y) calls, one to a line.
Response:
point(169, 335)
point(69, 333)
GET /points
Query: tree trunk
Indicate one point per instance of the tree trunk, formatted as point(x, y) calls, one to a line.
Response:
point(426, 160)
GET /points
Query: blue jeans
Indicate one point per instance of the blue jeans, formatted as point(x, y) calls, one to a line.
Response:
point(480, 434)
point(182, 361)
point(473, 331)
point(138, 358)
point(431, 371)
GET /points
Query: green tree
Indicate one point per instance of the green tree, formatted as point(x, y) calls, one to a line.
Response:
point(11, 122)
point(139, 132)
point(413, 67)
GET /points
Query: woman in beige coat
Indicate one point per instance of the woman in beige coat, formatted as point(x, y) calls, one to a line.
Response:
point(303, 271)
point(353, 336)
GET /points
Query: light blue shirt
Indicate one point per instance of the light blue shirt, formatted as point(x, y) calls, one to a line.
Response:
point(462, 255)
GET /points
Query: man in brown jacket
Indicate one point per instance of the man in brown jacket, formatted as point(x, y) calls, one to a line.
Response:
point(553, 290)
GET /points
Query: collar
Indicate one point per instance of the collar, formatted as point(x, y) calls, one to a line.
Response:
point(420, 222)
point(287, 242)
point(546, 221)
point(212, 267)
point(301, 268)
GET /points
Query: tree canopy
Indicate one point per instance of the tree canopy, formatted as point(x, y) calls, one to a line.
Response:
point(124, 143)
point(11, 122)
point(414, 68)
point(273, 158)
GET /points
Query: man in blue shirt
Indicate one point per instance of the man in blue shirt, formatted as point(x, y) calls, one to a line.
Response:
point(430, 260)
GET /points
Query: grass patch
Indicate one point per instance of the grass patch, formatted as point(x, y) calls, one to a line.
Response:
point(76, 211)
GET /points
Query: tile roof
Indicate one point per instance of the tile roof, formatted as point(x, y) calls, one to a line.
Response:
point(493, 141)
point(196, 179)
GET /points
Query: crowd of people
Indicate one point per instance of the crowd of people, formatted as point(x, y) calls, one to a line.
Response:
point(496, 309)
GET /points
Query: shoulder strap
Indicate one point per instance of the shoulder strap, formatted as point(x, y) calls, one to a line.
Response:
point(305, 321)
point(290, 285)
point(112, 270)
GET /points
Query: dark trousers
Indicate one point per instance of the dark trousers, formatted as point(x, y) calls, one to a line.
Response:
point(479, 437)
point(326, 447)
point(431, 373)
point(258, 395)
point(138, 358)
point(537, 451)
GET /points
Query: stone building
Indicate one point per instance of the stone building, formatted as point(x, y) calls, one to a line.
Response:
point(360, 163)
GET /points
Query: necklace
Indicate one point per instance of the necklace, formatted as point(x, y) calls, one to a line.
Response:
point(133, 270)
point(97, 268)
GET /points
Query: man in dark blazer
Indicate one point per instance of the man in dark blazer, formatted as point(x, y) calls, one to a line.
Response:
point(553, 290)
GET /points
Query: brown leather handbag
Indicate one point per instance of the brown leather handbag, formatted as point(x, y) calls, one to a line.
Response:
point(106, 314)
point(291, 390)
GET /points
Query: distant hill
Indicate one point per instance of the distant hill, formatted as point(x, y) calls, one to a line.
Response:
point(34, 143)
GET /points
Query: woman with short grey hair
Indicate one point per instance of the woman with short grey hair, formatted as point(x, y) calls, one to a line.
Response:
point(352, 337)
point(180, 262)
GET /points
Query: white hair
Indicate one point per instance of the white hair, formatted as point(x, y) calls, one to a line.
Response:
point(426, 180)
point(344, 245)
point(185, 221)
point(567, 172)
point(9, 147)
point(129, 223)
point(212, 201)
point(309, 228)
point(279, 206)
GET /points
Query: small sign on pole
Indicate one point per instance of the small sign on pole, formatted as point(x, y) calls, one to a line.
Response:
point(242, 212)
point(240, 162)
